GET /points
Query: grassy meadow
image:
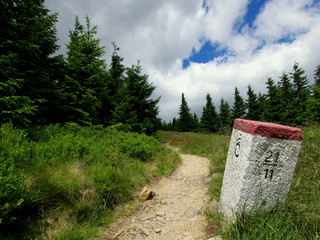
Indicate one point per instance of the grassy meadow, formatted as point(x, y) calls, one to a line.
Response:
point(298, 219)
point(64, 182)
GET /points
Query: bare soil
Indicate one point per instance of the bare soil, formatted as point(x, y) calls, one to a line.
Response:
point(176, 212)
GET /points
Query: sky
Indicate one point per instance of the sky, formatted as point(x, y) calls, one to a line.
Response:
point(197, 47)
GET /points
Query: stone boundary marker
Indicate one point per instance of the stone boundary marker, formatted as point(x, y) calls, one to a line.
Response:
point(259, 168)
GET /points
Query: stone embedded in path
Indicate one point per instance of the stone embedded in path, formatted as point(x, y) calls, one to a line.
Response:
point(144, 230)
point(194, 211)
point(190, 237)
point(148, 216)
point(117, 234)
point(160, 219)
point(260, 165)
point(146, 193)
point(161, 213)
point(138, 237)
point(170, 215)
point(215, 238)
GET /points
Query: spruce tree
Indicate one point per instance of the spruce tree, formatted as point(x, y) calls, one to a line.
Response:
point(185, 121)
point(174, 125)
point(125, 113)
point(273, 110)
point(136, 109)
point(195, 123)
point(301, 93)
point(165, 126)
point(115, 83)
point(316, 86)
point(262, 102)
point(286, 106)
point(239, 107)
point(252, 105)
point(141, 90)
point(313, 104)
point(27, 42)
point(209, 121)
point(225, 114)
point(85, 80)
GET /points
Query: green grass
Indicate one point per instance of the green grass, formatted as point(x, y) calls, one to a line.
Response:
point(65, 181)
point(298, 219)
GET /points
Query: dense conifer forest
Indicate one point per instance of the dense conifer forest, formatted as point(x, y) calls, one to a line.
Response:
point(39, 88)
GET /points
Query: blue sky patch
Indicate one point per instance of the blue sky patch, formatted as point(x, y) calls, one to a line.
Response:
point(286, 39)
point(261, 45)
point(290, 38)
point(207, 53)
point(314, 4)
point(205, 6)
point(253, 9)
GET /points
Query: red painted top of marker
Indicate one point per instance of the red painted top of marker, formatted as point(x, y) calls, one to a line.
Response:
point(271, 130)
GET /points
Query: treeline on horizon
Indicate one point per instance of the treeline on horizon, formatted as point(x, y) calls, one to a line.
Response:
point(290, 101)
point(40, 88)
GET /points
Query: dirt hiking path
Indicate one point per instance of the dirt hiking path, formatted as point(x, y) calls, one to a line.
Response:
point(177, 210)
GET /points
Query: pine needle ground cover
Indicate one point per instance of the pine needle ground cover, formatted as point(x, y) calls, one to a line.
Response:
point(298, 219)
point(64, 182)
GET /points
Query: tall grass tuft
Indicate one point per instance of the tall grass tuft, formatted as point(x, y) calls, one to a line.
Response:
point(14, 193)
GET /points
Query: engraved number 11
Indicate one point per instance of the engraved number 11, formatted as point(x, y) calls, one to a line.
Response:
point(268, 173)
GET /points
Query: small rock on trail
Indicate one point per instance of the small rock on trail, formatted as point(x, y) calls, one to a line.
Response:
point(177, 210)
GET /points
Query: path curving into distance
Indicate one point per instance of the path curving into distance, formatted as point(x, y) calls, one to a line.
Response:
point(177, 210)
